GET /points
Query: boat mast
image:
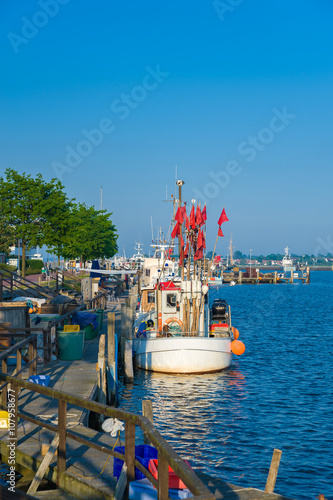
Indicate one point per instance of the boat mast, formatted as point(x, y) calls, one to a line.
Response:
point(180, 183)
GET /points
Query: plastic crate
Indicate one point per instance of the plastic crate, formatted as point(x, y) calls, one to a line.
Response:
point(144, 490)
point(143, 453)
point(174, 481)
point(40, 379)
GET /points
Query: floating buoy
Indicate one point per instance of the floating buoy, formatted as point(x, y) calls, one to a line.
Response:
point(237, 347)
point(235, 332)
point(31, 310)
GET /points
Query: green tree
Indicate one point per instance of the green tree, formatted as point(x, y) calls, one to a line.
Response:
point(7, 234)
point(238, 255)
point(33, 206)
point(92, 234)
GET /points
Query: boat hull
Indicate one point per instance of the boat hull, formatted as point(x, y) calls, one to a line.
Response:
point(183, 354)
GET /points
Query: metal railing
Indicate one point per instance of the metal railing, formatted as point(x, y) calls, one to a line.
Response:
point(166, 455)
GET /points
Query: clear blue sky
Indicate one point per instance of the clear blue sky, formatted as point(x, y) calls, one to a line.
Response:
point(239, 98)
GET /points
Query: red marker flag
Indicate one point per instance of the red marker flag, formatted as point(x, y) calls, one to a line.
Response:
point(204, 214)
point(198, 255)
point(179, 216)
point(182, 241)
point(200, 239)
point(192, 218)
point(219, 233)
point(176, 231)
point(198, 217)
point(186, 250)
point(223, 218)
point(183, 211)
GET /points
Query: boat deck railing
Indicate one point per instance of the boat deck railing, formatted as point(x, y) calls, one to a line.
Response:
point(154, 334)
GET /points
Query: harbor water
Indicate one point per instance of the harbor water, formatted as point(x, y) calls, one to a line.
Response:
point(279, 394)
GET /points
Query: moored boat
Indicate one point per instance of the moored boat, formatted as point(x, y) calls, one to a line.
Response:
point(177, 331)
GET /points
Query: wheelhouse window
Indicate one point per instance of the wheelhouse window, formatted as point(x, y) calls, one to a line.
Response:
point(171, 300)
point(151, 297)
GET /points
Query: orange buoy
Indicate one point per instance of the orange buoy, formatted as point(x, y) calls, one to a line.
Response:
point(160, 322)
point(31, 310)
point(235, 332)
point(237, 347)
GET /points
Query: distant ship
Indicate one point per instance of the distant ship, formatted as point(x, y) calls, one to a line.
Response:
point(287, 262)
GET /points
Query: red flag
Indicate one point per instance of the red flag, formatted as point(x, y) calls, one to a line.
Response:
point(223, 218)
point(217, 259)
point(192, 218)
point(198, 217)
point(187, 224)
point(179, 216)
point(200, 239)
point(181, 259)
point(203, 241)
point(204, 214)
point(219, 233)
point(182, 241)
point(198, 254)
point(176, 231)
point(186, 250)
point(183, 211)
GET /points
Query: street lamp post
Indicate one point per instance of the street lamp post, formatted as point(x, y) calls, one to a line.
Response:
point(250, 264)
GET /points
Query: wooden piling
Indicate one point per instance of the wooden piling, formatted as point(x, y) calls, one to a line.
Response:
point(111, 349)
point(307, 275)
point(101, 371)
point(240, 274)
point(147, 411)
point(275, 277)
point(129, 373)
point(291, 276)
point(273, 471)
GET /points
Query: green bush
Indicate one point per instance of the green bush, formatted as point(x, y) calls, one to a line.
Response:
point(34, 264)
point(6, 267)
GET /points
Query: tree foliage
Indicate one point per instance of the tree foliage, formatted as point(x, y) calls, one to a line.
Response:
point(92, 234)
point(7, 234)
point(33, 207)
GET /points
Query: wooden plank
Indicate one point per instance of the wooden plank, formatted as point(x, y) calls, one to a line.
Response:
point(273, 471)
point(44, 465)
point(62, 414)
point(130, 450)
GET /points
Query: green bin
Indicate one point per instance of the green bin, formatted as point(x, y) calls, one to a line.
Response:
point(100, 313)
point(89, 332)
point(70, 345)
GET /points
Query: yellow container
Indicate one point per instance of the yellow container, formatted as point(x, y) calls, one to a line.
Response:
point(3, 419)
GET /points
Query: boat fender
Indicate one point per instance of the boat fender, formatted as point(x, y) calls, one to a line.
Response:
point(173, 320)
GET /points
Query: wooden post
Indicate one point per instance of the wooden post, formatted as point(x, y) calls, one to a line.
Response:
point(130, 451)
point(19, 362)
point(273, 471)
point(129, 374)
point(291, 276)
point(111, 348)
point(275, 277)
point(5, 389)
point(1, 288)
point(240, 274)
point(163, 479)
point(101, 372)
point(147, 411)
point(62, 413)
point(308, 275)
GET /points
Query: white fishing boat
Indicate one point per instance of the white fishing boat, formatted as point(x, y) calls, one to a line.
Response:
point(178, 331)
point(287, 262)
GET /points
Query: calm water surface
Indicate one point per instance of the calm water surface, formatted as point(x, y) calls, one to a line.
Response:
point(279, 394)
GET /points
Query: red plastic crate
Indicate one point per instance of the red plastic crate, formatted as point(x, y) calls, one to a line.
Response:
point(174, 481)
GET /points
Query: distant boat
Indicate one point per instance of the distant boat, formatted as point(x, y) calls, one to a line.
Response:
point(287, 262)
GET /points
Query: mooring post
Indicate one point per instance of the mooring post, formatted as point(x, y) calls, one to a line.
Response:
point(308, 275)
point(275, 277)
point(240, 277)
point(61, 463)
point(147, 411)
point(291, 276)
point(112, 385)
point(273, 471)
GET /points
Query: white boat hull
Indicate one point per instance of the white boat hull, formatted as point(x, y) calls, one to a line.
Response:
point(183, 354)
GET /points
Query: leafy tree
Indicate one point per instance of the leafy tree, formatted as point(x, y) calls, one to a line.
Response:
point(7, 234)
point(92, 234)
point(238, 255)
point(33, 206)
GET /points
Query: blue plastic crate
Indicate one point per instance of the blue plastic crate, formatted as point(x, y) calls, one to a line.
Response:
point(143, 453)
point(40, 379)
point(144, 490)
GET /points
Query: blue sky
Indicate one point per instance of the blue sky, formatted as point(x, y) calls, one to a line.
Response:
point(236, 93)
